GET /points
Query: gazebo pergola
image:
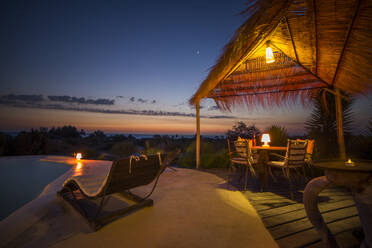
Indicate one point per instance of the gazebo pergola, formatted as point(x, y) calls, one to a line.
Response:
point(290, 51)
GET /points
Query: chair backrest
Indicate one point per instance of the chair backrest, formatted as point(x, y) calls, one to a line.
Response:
point(309, 149)
point(310, 146)
point(243, 147)
point(128, 173)
point(296, 150)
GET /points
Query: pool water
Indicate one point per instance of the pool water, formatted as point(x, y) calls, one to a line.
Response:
point(22, 179)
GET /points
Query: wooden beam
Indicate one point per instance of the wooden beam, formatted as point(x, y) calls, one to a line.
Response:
point(340, 129)
point(231, 82)
point(269, 86)
point(197, 135)
point(290, 35)
point(260, 93)
point(273, 68)
point(346, 98)
point(309, 71)
point(346, 41)
point(316, 36)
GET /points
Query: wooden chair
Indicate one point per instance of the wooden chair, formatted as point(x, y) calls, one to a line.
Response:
point(242, 155)
point(293, 160)
point(309, 155)
point(124, 174)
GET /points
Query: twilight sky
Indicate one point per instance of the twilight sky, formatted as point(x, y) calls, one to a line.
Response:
point(122, 66)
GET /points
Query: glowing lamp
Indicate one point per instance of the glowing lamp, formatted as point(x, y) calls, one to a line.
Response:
point(266, 139)
point(269, 54)
point(78, 156)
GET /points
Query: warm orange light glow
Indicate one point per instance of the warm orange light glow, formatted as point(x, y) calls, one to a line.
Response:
point(78, 169)
point(269, 56)
point(349, 162)
point(78, 156)
point(79, 165)
point(266, 139)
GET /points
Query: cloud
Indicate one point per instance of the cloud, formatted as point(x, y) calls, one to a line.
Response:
point(81, 100)
point(63, 103)
point(141, 100)
point(119, 96)
point(179, 104)
point(24, 98)
point(213, 108)
point(43, 105)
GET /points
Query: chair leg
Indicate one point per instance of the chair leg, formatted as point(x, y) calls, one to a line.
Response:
point(272, 174)
point(246, 178)
point(304, 171)
point(229, 172)
point(284, 172)
point(290, 183)
point(241, 168)
point(253, 172)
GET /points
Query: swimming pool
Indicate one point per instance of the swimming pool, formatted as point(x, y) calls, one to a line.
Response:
point(23, 178)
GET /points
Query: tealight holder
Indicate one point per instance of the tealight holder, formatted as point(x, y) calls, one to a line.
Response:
point(349, 163)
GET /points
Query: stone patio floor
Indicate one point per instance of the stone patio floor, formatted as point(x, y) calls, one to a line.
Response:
point(191, 209)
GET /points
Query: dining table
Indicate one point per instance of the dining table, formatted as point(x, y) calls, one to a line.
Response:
point(354, 175)
point(263, 158)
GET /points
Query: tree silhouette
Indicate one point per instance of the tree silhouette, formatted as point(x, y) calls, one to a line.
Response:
point(322, 126)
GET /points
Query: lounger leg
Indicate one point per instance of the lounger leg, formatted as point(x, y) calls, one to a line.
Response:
point(98, 223)
point(75, 205)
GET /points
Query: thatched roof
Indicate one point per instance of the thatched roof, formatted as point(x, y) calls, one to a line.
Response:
point(317, 44)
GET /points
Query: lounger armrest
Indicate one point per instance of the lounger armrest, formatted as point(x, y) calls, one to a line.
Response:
point(170, 157)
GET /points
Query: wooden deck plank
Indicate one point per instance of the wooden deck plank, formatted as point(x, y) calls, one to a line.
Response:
point(344, 239)
point(311, 236)
point(301, 213)
point(304, 224)
point(291, 226)
point(281, 210)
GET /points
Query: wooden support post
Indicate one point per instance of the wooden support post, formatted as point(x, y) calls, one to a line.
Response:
point(340, 129)
point(197, 135)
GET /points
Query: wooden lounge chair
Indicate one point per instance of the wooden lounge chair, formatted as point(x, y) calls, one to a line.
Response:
point(243, 156)
point(124, 174)
point(293, 160)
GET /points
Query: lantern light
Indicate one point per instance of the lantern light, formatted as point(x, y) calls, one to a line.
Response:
point(266, 139)
point(269, 53)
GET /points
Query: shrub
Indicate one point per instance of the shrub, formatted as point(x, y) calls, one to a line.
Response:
point(278, 135)
point(124, 148)
point(240, 129)
point(210, 157)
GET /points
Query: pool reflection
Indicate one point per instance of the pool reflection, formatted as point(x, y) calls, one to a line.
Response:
point(78, 168)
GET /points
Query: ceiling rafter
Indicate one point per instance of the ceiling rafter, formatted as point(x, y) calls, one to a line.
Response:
point(346, 41)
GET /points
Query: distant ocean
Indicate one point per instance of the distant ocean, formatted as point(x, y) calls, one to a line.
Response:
point(145, 136)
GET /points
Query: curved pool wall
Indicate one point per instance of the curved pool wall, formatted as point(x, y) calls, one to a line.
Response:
point(23, 178)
